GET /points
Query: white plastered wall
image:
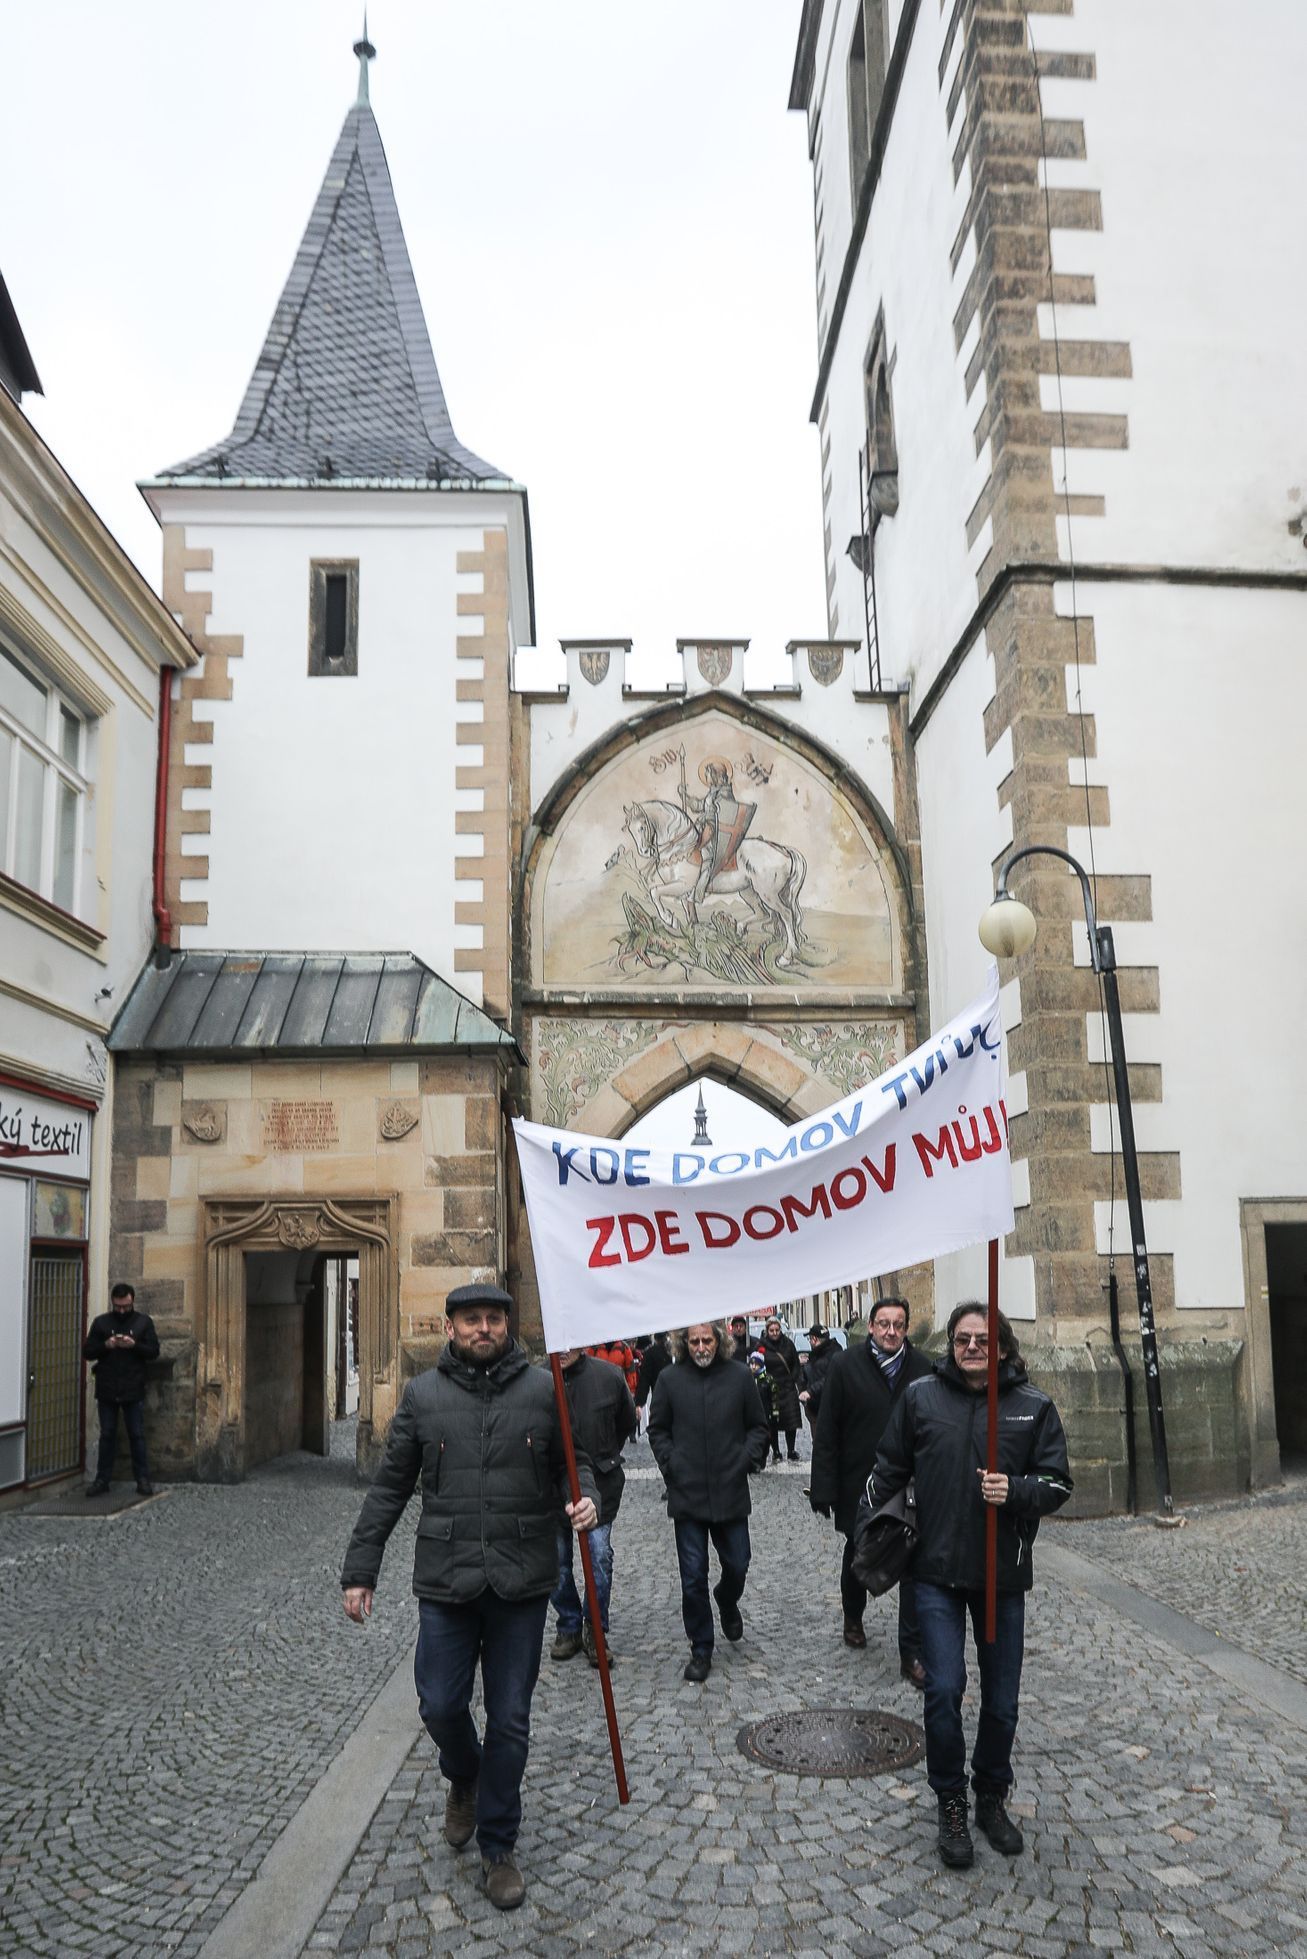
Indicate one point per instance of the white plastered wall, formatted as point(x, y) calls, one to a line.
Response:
point(333, 799)
point(962, 831)
point(925, 584)
point(1195, 138)
point(1200, 702)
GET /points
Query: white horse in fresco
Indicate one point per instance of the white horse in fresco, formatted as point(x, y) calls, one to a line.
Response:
point(768, 876)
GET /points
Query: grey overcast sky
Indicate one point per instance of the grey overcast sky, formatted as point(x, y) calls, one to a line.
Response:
point(609, 211)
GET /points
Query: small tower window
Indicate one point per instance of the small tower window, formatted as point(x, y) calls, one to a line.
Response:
point(333, 616)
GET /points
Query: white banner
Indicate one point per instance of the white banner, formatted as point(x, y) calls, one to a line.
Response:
point(630, 1240)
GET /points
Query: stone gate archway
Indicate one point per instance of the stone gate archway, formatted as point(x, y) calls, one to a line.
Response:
point(640, 972)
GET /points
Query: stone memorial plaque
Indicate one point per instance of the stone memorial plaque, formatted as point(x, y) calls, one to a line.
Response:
point(305, 1128)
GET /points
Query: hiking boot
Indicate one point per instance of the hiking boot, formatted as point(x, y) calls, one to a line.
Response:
point(853, 1633)
point(732, 1623)
point(698, 1666)
point(460, 1813)
point(591, 1645)
point(97, 1488)
point(955, 1846)
point(914, 1673)
point(145, 1487)
point(502, 1882)
point(566, 1646)
point(993, 1819)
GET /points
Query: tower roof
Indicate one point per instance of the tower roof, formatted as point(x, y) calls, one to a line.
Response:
point(346, 387)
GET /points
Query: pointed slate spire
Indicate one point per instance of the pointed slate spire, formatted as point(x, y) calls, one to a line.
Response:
point(346, 388)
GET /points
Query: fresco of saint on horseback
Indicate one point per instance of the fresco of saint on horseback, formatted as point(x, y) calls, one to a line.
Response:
point(699, 848)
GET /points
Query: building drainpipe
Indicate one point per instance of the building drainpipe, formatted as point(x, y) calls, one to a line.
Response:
point(162, 916)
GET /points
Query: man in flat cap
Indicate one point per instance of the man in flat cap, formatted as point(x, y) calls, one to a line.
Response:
point(481, 1430)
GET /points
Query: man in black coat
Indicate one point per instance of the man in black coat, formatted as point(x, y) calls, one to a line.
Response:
point(859, 1396)
point(821, 1357)
point(603, 1417)
point(481, 1431)
point(121, 1342)
point(708, 1433)
point(938, 1437)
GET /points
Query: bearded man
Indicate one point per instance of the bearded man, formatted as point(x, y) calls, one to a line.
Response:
point(481, 1429)
point(708, 1433)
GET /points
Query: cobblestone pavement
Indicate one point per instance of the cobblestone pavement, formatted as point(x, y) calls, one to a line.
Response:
point(1238, 1569)
point(177, 1679)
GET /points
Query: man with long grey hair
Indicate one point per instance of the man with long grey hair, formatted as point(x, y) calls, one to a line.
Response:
point(708, 1433)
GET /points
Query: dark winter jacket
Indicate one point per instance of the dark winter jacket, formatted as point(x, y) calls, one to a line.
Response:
point(603, 1417)
point(856, 1404)
point(654, 1359)
point(120, 1371)
point(783, 1366)
point(937, 1436)
point(815, 1369)
point(487, 1446)
point(708, 1433)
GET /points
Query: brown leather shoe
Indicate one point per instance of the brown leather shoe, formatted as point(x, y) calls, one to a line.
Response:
point(853, 1633)
point(591, 1646)
point(460, 1813)
point(502, 1881)
point(566, 1646)
point(915, 1674)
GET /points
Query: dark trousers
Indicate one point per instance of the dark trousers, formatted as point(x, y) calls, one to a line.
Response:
point(854, 1595)
point(506, 1636)
point(133, 1414)
point(731, 1543)
point(942, 1613)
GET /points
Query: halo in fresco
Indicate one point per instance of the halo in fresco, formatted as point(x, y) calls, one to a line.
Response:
point(714, 858)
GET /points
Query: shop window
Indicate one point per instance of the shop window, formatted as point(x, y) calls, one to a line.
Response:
point(333, 616)
point(43, 783)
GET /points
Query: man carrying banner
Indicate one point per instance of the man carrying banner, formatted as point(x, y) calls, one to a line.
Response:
point(708, 1434)
point(863, 1388)
point(603, 1418)
point(481, 1429)
point(937, 1435)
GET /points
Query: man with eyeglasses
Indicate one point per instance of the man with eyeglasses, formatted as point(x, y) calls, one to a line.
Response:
point(708, 1433)
point(864, 1386)
point(937, 1435)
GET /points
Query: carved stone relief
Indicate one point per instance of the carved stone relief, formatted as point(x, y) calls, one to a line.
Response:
point(206, 1122)
point(299, 1229)
point(714, 664)
point(825, 664)
point(397, 1119)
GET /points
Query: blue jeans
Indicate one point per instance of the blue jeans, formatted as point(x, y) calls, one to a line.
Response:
point(565, 1599)
point(731, 1543)
point(942, 1620)
point(506, 1635)
point(133, 1414)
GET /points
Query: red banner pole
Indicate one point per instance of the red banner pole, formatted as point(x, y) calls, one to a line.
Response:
point(991, 1453)
point(591, 1593)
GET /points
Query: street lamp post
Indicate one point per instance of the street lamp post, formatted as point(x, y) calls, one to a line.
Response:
point(1008, 928)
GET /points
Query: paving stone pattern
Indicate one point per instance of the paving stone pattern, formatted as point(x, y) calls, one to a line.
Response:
point(1238, 1569)
point(176, 1680)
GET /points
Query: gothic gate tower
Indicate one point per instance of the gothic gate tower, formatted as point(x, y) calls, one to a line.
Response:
point(312, 1066)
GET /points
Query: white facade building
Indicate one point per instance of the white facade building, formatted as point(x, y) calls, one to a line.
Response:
point(83, 642)
point(1058, 357)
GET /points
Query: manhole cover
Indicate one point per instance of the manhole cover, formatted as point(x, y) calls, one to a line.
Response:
point(832, 1741)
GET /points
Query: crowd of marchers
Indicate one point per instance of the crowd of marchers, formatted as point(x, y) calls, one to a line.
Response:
point(480, 1434)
